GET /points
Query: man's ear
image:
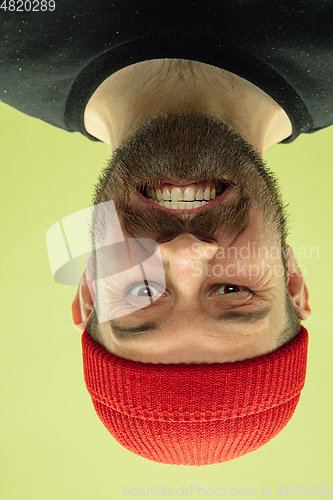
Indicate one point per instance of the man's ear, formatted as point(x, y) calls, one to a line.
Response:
point(83, 304)
point(297, 287)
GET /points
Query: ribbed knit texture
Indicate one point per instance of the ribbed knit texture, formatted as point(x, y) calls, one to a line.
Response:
point(195, 414)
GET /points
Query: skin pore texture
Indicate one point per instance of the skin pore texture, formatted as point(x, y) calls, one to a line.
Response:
point(233, 287)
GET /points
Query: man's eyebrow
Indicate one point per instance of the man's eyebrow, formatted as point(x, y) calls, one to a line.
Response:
point(246, 316)
point(127, 333)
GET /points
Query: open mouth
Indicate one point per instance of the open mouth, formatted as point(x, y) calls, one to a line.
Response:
point(184, 197)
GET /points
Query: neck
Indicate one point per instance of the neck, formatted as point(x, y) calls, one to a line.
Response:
point(138, 92)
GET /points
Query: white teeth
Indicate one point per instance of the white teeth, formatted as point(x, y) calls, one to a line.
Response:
point(176, 194)
point(182, 205)
point(199, 194)
point(189, 194)
point(179, 205)
point(166, 194)
point(206, 194)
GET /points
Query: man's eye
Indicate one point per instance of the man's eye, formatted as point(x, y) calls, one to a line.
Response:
point(142, 290)
point(231, 289)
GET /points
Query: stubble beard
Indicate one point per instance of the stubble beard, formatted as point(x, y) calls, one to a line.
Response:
point(194, 146)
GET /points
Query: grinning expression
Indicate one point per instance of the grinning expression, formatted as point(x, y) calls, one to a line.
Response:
point(199, 189)
point(187, 152)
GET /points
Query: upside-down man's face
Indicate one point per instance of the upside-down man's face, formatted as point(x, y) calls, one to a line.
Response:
point(226, 297)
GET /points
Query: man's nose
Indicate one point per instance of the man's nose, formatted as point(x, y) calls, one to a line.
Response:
point(187, 253)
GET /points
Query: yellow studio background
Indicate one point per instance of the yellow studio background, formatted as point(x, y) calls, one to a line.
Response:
point(53, 446)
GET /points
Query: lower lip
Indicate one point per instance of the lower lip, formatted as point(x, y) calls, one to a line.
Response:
point(209, 205)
